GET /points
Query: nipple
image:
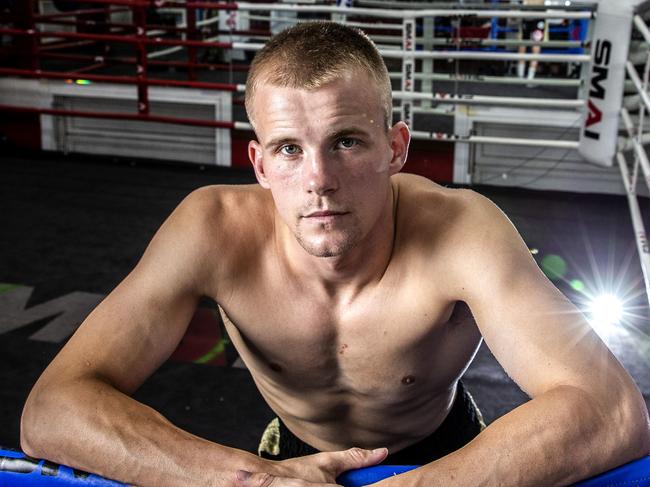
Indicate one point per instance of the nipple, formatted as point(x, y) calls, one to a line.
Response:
point(409, 379)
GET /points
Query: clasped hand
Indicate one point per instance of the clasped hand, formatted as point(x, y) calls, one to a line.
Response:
point(319, 470)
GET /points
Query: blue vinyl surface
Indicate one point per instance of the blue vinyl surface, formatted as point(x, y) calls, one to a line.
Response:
point(633, 474)
point(370, 475)
point(19, 470)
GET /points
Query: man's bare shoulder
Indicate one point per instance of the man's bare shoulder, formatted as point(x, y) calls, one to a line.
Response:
point(218, 209)
point(430, 206)
point(455, 229)
point(225, 218)
point(217, 229)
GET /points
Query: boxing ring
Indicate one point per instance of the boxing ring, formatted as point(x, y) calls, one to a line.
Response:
point(150, 44)
point(411, 42)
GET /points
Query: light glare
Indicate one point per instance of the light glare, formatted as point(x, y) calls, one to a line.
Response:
point(606, 311)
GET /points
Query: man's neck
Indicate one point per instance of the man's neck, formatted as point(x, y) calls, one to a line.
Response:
point(343, 277)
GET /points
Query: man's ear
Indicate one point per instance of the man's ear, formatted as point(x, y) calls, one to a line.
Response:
point(400, 137)
point(255, 154)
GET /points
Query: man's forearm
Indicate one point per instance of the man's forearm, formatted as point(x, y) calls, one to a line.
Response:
point(91, 426)
point(556, 439)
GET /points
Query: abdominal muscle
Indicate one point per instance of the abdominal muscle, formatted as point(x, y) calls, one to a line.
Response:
point(336, 398)
point(360, 422)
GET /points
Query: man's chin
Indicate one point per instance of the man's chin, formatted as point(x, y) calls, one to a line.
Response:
point(325, 249)
point(328, 253)
point(319, 251)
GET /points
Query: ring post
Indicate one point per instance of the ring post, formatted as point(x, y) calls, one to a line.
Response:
point(610, 45)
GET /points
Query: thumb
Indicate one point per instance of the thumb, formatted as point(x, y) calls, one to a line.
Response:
point(249, 479)
point(358, 458)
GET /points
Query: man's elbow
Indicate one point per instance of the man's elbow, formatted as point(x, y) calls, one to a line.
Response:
point(635, 430)
point(29, 430)
point(640, 432)
point(36, 427)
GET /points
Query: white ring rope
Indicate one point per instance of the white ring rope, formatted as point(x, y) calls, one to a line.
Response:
point(490, 56)
point(408, 14)
point(484, 139)
point(428, 5)
point(378, 25)
point(486, 56)
point(489, 100)
point(449, 111)
point(502, 42)
point(491, 79)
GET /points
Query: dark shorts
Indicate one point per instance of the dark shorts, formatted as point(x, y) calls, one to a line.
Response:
point(461, 425)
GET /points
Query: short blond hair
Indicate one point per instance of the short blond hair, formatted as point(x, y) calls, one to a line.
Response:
point(312, 54)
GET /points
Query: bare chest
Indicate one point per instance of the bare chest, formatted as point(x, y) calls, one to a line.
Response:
point(379, 348)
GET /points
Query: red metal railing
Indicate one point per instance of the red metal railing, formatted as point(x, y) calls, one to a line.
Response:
point(31, 50)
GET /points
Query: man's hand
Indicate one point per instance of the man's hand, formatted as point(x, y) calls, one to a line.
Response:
point(319, 470)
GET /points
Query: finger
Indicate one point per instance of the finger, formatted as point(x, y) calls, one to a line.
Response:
point(248, 479)
point(359, 458)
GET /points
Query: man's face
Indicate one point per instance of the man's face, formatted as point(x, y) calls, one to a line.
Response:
point(327, 158)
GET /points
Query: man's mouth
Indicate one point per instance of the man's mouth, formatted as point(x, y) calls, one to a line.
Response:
point(325, 214)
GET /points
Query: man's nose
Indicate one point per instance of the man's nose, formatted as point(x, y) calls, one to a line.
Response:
point(320, 175)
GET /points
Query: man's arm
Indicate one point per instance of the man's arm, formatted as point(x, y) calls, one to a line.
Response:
point(79, 412)
point(586, 416)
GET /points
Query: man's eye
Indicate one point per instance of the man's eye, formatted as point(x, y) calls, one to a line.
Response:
point(348, 143)
point(289, 149)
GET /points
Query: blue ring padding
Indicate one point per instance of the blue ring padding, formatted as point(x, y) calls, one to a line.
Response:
point(19, 470)
point(633, 474)
point(636, 473)
point(370, 475)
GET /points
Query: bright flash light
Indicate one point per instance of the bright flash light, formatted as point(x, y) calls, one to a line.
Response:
point(606, 312)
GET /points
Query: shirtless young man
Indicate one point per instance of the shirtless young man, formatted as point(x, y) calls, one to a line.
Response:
point(347, 290)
